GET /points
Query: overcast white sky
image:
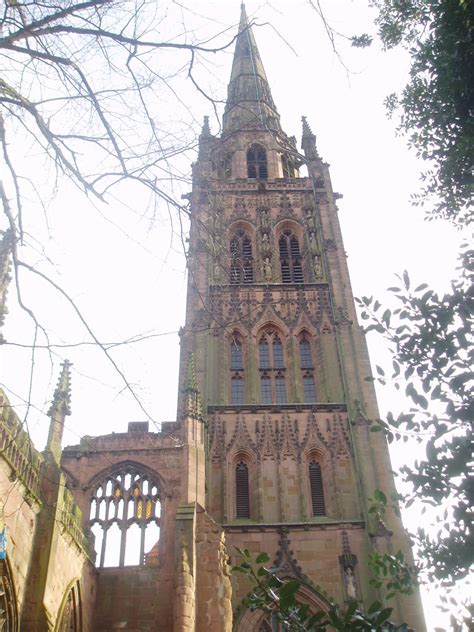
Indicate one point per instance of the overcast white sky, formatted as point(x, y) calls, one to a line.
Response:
point(125, 268)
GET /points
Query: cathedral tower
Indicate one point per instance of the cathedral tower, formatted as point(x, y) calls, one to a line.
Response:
point(279, 358)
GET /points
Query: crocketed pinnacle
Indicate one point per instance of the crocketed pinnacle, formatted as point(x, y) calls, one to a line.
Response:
point(308, 141)
point(249, 101)
point(60, 407)
point(61, 403)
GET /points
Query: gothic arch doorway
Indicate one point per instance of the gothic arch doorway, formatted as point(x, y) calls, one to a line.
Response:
point(258, 621)
point(70, 614)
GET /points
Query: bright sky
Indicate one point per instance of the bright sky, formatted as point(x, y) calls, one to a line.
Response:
point(123, 262)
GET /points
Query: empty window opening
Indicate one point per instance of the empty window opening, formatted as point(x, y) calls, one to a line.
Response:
point(257, 162)
point(124, 510)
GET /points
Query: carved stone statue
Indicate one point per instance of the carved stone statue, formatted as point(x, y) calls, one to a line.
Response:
point(267, 269)
point(264, 219)
point(310, 218)
point(351, 586)
point(318, 269)
point(217, 270)
point(313, 244)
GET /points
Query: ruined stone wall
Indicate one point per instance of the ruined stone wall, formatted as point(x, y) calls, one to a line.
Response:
point(135, 598)
point(20, 511)
point(213, 587)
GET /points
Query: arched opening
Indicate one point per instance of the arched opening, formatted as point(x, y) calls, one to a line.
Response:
point(290, 258)
point(272, 368)
point(8, 605)
point(318, 504)
point(257, 162)
point(70, 618)
point(241, 260)
point(123, 506)
point(236, 371)
point(242, 496)
point(307, 369)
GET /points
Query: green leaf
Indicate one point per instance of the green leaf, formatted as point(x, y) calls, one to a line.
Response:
point(262, 558)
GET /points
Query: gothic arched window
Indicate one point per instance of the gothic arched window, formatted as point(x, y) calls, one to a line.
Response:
point(236, 371)
point(257, 162)
point(316, 486)
point(290, 258)
point(8, 607)
point(242, 497)
point(306, 363)
point(272, 368)
point(71, 616)
point(125, 516)
point(241, 260)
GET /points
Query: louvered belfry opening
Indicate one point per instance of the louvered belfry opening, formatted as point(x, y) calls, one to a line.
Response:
point(317, 492)
point(241, 260)
point(242, 490)
point(290, 258)
point(257, 162)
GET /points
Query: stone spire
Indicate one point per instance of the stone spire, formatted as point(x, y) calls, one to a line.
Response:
point(249, 100)
point(5, 263)
point(308, 141)
point(59, 409)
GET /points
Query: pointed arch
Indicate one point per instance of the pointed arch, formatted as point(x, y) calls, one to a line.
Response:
point(272, 366)
point(237, 368)
point(257, 164)
point(246, 620)
point(126, 494)
point(241, 257)
point(70, 612)
point(8, 599)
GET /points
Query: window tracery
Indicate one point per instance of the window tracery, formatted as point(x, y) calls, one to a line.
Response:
point(307, 369)
point(125, 514)
point(272, 368)
point(236, 370)
point(241, 259)
point(8, 607)
point(290, 258)
point(257, 162)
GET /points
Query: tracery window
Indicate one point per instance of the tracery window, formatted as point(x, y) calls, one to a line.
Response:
point(242, 497)
point(290, 258)
point(241, 260)
point(306, 363)
point(236, 371)
point(272, 368)
point(125, 516)
point(71, 616)
point(8, 607)
point(317, 491)
point(257, 162)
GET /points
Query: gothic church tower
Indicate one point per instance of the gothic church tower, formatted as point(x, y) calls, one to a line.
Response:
point(280, 360)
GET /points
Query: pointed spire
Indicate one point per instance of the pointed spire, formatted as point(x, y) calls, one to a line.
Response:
point(59, 409)
point(6, 245)
point(249, 101)
point(308, 141)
